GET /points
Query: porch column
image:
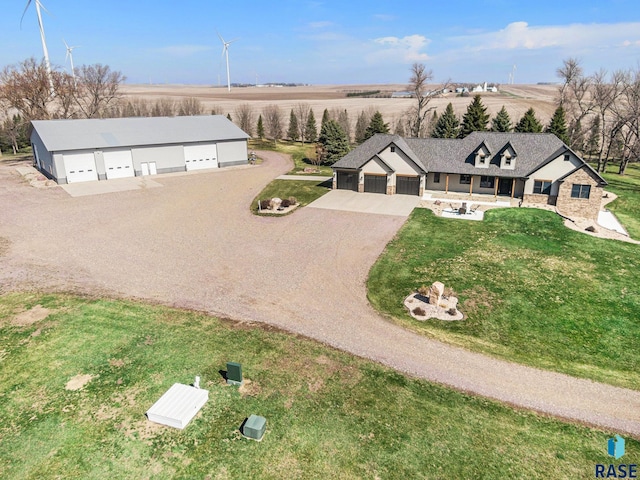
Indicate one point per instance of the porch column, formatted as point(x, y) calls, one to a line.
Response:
point(446, 184)
point(471, 186)
point(495, 190)
point(513, 188)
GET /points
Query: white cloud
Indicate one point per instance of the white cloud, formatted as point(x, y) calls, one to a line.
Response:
point(183, 50)
point(384, 17)
point(521, 35)
point(399, 50)
point(321, 24)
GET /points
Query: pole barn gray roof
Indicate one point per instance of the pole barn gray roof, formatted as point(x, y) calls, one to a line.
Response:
point(60, 135)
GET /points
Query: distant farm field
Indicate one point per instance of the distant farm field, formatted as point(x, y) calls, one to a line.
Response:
point(516, 99)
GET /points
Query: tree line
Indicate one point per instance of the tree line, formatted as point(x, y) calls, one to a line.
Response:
point(596, 115)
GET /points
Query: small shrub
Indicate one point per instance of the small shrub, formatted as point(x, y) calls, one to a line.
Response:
point(452, 311)
point(285, 203)
point(448, 292)
point(424, 290)
point(419, 312)
point(265, 204)
point(292, 201)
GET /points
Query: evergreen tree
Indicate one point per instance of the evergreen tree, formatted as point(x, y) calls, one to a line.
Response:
point(558, 125)
point(448, 125)
point(502, 121)
point(292, 133)
point(260, 128)
point(376, 125)
point(325, 118)
point(310, 129)
point(529, 123)
point(334, 142)
point(476, 119)
point(361, 127)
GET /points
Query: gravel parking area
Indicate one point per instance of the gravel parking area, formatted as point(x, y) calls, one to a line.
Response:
point(194, 243)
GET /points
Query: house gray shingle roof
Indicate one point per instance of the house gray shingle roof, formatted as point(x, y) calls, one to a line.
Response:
point(60, 135)
point(457, 155)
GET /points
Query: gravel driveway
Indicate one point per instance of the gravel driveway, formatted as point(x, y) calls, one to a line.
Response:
point(193, 243)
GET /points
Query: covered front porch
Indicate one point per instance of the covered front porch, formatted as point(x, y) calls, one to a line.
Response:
point(465, 186)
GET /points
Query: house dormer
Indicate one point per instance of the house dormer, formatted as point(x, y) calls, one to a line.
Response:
point(508, 157)
point(482, 156)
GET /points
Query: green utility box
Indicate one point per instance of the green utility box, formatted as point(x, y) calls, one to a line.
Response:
point(234, 373)
point(254, 427)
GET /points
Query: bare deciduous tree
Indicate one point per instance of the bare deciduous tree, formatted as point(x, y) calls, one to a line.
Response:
point(97, 89)
point(302, 111)
point(190, 106)
point(25, 88)
point(163, 107)
point(575, 95)
point(274, 122)
point(419, 86)
point(244, 118)
point(606, 93)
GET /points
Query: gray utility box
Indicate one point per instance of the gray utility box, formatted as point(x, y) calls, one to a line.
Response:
point(234, 373)
point(254, 427)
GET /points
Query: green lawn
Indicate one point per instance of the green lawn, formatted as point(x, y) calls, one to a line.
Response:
point(627, 206)
point(534, 291)
point(305, 192)
point(300, 154)
point(330, 415)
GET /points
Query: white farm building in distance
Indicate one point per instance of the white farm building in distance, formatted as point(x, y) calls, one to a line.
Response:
point(70, 151)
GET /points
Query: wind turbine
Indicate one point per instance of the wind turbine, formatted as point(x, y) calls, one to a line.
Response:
point(513, 74)
point(69, 55)
point(44, 43)
point(225, 52)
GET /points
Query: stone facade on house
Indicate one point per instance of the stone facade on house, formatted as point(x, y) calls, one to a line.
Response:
point(580, 207)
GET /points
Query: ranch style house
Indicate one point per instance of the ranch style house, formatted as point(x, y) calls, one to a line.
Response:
point(83, 150)
point(535, 167)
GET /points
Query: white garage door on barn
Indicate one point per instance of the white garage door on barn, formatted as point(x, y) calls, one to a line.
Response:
point(80, 167)
point(199, 157)
point(118, 163)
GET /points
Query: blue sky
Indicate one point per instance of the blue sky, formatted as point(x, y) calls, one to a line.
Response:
point(329, 42)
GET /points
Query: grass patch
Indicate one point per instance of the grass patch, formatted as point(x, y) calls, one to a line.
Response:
point(627, 206)
point(305, 192)
point(300, 154)
point(533, 290)
point(330, 415)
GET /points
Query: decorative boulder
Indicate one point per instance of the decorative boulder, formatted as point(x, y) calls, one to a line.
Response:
point(435, 293)
point(275, 203)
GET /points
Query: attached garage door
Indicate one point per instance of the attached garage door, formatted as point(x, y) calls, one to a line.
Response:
point(118, 164)
point(347, 181)
point(408, 185)
point(199, 157)
point(375, 183)
point(80, 167)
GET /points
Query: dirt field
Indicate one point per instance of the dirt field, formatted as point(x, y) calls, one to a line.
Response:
point(516, 98)
point(193, 243)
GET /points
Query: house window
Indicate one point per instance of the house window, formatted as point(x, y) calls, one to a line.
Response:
point(567, 157)
point(436, 177)
point(487, 182)
point(507, 161)
point(465, 179)
point(393, 148)
point(580, 191)
point(481, 159)
point(542, 187)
